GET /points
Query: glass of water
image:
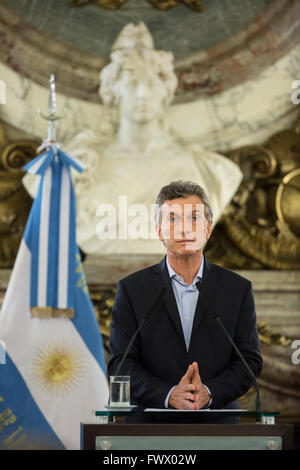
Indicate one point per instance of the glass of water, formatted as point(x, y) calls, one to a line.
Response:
point(119, 390)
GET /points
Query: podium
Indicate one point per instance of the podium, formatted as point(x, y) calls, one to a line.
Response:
point(107, 434)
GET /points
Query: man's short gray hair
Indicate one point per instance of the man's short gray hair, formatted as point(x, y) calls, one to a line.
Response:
point(182, 189)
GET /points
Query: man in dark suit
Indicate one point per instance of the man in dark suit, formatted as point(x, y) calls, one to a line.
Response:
point(181, 358)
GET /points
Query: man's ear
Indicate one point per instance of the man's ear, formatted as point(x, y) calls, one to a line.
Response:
point(158, 231)
point(208, 230)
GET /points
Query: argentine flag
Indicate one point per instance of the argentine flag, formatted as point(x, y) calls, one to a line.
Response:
point(54, 374)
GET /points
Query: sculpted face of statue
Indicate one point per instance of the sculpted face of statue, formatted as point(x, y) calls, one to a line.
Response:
point(141, 94)
point(139, 80)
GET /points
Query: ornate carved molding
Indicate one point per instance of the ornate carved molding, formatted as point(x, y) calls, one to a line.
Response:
point(103, 300)
point(14, 201)
point(261, 228)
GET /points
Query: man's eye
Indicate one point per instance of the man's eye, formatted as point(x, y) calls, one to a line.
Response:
point(194, 217)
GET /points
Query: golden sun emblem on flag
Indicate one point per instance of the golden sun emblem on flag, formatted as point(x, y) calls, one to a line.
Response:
point(58, 367)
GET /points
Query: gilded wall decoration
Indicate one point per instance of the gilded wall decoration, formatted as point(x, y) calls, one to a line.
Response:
point(103, 300)
point(15, 203)
point(163, 5)
point(261, 227)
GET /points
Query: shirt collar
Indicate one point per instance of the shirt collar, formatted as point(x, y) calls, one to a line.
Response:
point(176, 276)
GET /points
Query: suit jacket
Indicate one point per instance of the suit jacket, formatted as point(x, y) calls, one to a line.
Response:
point(158, 357)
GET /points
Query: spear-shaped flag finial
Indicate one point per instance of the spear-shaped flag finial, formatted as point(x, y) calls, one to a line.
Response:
point(51, 117)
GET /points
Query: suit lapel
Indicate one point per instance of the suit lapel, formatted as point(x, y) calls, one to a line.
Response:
point(209, 280)
point(162, 278)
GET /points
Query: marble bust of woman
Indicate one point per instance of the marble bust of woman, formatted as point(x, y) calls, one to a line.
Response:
point(135, 153)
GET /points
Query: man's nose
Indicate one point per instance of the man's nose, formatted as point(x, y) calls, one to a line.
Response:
point(187, 226)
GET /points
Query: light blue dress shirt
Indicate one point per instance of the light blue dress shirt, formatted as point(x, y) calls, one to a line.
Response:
point(186, 298)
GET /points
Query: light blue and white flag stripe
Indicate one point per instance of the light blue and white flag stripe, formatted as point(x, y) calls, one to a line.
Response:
point(53, 263)
point(55, 374)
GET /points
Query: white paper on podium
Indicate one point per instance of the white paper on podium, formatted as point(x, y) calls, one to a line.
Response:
point(203, 410)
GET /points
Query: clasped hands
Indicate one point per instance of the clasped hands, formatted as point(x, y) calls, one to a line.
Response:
point(190, 393)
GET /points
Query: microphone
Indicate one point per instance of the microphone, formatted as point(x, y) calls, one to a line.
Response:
point(258, 407)
point(146, 317)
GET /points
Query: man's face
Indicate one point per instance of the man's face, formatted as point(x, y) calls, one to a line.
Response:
point(184, 227)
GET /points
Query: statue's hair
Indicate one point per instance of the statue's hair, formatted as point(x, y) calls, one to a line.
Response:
point(125, 59)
